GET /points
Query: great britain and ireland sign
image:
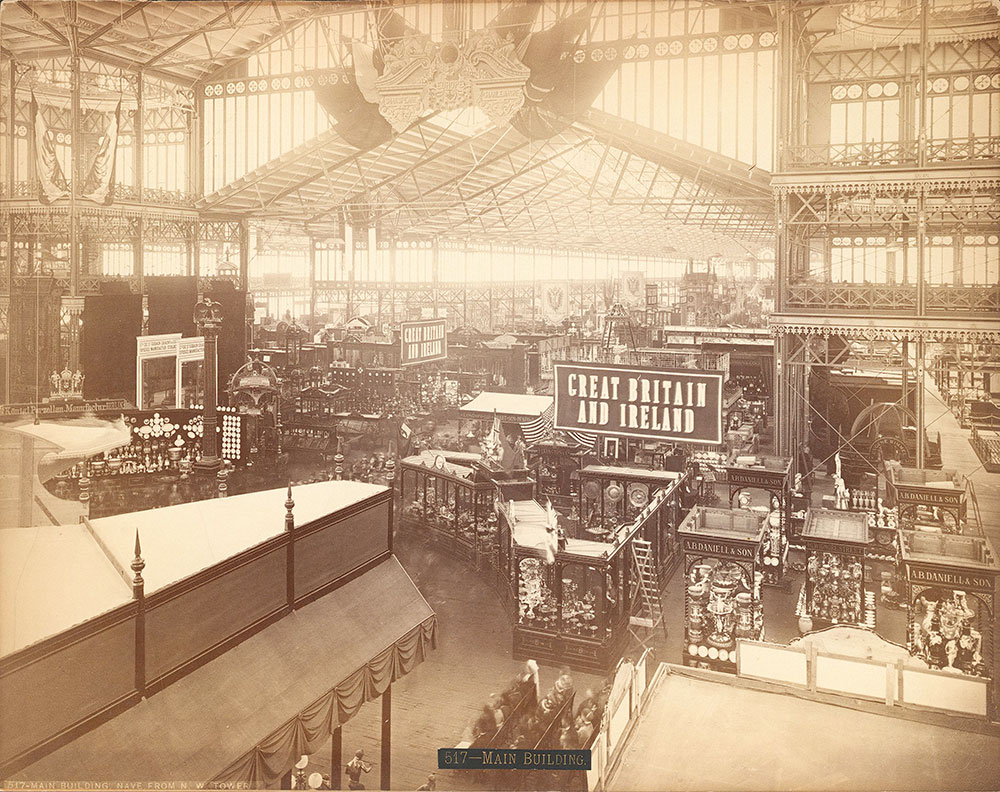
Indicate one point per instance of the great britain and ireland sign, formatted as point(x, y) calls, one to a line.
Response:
point(680, 405)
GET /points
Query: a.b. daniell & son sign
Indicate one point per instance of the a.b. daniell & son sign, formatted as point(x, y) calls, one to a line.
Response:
point(423, 342)
point(684, 406)
point(714, 548)
point(953, 579)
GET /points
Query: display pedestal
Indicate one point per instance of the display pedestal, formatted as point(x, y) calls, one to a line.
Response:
point(516, 489)
point(206, 465)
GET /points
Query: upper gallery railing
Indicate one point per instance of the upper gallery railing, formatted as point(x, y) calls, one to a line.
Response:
point(123, 192)
point(891, 153)
point(875, 298)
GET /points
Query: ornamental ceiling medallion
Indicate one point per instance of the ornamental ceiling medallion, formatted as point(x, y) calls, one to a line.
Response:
point(424, 76)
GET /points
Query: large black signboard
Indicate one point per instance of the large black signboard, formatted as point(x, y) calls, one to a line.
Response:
point(681, 405)
point(423, 342)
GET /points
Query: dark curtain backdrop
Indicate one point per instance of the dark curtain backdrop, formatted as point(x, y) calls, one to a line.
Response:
point(34, 338)
point(111, 323)
point(171, 305)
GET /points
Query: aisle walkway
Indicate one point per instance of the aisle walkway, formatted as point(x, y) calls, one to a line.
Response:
point(434, 704)
point(957, 454)
point(696, 735)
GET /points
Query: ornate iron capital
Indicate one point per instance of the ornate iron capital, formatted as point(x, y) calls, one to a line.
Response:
point(208, 314)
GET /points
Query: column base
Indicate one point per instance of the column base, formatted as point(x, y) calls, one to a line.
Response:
point(209, 465)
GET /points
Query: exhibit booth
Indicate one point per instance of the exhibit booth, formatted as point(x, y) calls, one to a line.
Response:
point(722, 598)
point(950, 589)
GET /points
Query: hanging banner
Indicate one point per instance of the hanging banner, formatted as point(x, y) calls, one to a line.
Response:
point(423, 342)
point(555, 300)
point(50, 176)
point(100, 183)
point(632, 289)
point(681, 405)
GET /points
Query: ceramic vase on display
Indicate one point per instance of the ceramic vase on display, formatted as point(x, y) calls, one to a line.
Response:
point(696, 605)
point(720, 611)
point(744, 615)
point(721, 605)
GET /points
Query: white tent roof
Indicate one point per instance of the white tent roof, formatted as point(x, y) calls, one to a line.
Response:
point(52, 577)
point(514, 404)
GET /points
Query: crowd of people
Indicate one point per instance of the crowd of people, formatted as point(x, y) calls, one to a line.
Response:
point(519, 717)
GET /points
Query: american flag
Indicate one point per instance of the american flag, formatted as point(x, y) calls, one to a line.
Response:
point(537, 429)
point(585, 439)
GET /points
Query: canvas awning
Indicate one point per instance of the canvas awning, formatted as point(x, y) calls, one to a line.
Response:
point(509, 406)
point(61, 443)
point(247, 716)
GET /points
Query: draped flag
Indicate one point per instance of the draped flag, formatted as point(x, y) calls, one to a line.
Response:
point(365, 73)
point(50, 175)
point(584, 440)
point(355, 119)
point(100, 184)
point(559, 89)
point(514, 22)
point(555, 300)
point(632, 289)
point(537, 429)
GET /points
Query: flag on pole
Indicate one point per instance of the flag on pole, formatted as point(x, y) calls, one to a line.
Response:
point(404, 440)
point(551, 533)
point(507, 460)
point(99, 185)
point(50, 174)
point(584, 439)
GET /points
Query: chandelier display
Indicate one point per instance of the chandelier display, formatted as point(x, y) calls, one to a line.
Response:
point(423, 76)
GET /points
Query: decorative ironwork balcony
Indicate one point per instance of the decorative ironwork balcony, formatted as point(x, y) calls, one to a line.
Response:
point(852, 155)
point(963, 299)
point(880, 298)
point(852, 297)
point(891, 153)
point(123, 192)
point(951, 149)
point(909, 10)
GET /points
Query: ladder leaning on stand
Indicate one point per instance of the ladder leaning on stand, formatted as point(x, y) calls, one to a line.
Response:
point(646, 609)
point(975, 507)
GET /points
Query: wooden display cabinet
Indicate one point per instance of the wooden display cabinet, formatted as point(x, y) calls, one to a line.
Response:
point(950, 588)
point(930, 497)
point(612, 496)
point(722, 585)
point(772, 475)
point(834, 591)
point(452, 502)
